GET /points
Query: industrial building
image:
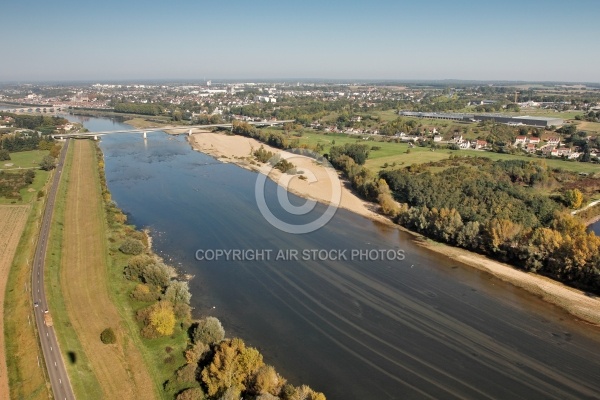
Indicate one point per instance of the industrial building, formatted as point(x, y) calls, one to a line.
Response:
point(539, 122)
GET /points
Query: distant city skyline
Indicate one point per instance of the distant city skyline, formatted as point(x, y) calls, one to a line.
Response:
point(525, 40)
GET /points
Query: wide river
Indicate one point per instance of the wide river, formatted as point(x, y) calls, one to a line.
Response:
point(422, 327)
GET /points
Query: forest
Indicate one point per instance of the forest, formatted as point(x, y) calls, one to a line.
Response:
point(502, 209)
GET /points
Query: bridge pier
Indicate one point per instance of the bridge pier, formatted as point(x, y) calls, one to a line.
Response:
point(96, 137)
point(190, 132)
point(145, 135)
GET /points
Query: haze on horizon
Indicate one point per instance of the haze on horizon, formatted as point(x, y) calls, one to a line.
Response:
point(67, 40)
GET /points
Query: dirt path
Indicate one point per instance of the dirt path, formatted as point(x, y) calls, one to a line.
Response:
point(84, 281)
point(12, 223)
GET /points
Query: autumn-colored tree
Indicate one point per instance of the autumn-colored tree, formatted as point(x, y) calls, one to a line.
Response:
point(501, 232)
point(573, 198)
point(162, 318)
point(301, 393)
point(267, 380)
point(191, 394)
point(568, 225)
point(233, 366)
point(195, 352)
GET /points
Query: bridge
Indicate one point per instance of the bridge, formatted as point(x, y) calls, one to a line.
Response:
point(35, 109)
point(175, 129)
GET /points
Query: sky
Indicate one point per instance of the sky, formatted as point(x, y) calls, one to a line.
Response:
point(528, 40)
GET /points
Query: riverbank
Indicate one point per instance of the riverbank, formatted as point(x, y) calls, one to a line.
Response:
point(238, 149)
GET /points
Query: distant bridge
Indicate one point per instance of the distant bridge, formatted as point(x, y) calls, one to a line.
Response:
point(176, 129)
point(35, 109)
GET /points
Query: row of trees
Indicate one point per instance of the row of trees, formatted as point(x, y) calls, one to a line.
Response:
point(138, 108)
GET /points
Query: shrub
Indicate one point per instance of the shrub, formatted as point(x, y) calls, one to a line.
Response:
point(4, 155)
point(144, 293)
point(132, 246)
point(108, 336)
point(209, 331)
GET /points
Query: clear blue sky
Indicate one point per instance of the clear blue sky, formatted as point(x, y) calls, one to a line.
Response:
point(220, 39)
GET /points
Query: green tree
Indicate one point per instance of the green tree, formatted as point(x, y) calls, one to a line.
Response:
point(178, 292)
point(209, 331)
point(4, 155)
point(108, 336)
point(132, 246)
point(47, 163)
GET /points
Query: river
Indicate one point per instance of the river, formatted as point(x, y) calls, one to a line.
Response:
point(421, 327)
point(596, 228)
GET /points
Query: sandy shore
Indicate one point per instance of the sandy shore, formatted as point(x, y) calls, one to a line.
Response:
point(237, 149)
point(318, 186)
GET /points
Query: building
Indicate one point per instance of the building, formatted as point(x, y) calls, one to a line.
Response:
point(538, 122)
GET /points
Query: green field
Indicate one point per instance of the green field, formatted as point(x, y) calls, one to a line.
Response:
point(390, 153)
point(24, 159)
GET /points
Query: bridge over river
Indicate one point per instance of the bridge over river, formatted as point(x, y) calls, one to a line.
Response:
point(176, 129)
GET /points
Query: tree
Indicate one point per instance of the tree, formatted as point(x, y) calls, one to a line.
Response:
point(162, 318)
point(178, 292)
point(132, 246)
point(232, 366)
point(4, 155)
point(191, 394)
point(157, 274)
point(47, 163)
point(195, 352)
point(209, 331)
point(267, 380)
point(108, 336)
point(573, 198)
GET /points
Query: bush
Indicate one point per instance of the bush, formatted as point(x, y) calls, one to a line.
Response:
point(144, 293)
point(132, 246)
point(108, 336)
point(48, 163)
point(209, 331)
point(4, 155)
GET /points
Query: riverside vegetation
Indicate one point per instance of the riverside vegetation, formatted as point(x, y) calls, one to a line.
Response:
point(516, 211)
point(198, 361)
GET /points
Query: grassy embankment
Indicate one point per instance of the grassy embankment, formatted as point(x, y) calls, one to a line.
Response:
point(94, 295)
point(83, 283)
point(26, 373)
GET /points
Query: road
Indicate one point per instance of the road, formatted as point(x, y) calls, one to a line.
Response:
point(61, 386)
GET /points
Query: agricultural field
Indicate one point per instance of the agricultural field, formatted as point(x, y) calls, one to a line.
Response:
point(12, 223)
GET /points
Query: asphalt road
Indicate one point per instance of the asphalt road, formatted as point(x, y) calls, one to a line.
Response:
point(61, 386)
